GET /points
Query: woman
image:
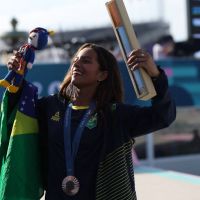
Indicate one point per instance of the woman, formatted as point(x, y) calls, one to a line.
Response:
point(87, 132)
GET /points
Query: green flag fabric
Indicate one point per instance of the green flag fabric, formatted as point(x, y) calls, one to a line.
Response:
point(20, 174)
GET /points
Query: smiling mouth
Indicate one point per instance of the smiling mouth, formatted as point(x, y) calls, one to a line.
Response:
point(77, 72)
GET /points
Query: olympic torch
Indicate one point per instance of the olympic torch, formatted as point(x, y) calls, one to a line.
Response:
point(127, 40)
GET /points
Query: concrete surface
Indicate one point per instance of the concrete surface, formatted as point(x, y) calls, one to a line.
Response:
point(157, 184)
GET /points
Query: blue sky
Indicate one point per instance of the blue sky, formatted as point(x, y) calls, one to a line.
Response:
point(78, 14)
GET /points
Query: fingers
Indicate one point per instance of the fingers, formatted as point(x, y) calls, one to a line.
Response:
point(138, 52)
point(137, 58)
point(13, 62)
point(17, 54)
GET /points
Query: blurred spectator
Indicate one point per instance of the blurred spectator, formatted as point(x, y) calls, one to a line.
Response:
point(164, 47)
point(197, 54)
point(196, 137)
point(116, 51)
point(189, 48)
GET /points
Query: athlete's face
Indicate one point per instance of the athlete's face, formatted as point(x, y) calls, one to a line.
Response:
point(85, 69)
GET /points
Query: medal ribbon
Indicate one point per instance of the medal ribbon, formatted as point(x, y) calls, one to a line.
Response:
point(71, 147)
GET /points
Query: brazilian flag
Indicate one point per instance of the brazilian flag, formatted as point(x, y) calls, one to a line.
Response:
point(20, 174)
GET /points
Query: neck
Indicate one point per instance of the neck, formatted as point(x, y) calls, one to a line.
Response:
point(84, 97)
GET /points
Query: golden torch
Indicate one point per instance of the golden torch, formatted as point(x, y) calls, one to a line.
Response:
point(127, 40)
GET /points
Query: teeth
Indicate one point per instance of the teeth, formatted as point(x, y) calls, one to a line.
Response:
point(77, 72)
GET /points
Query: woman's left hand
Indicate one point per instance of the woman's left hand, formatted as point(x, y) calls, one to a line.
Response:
point(140, 58)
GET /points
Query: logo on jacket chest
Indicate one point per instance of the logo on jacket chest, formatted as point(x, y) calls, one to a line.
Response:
point(92, 122)
point(56, 117)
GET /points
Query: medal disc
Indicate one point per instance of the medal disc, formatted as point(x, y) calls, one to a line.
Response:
point(70, 185)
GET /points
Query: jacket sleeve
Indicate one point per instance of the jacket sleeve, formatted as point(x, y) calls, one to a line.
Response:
point(138, 121)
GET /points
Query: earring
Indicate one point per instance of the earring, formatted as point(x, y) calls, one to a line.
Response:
point(72, 91)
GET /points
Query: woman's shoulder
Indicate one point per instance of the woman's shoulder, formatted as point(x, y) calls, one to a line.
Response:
point(51, 100)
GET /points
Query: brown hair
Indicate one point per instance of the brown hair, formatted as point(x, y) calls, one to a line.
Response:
point(108, 91)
